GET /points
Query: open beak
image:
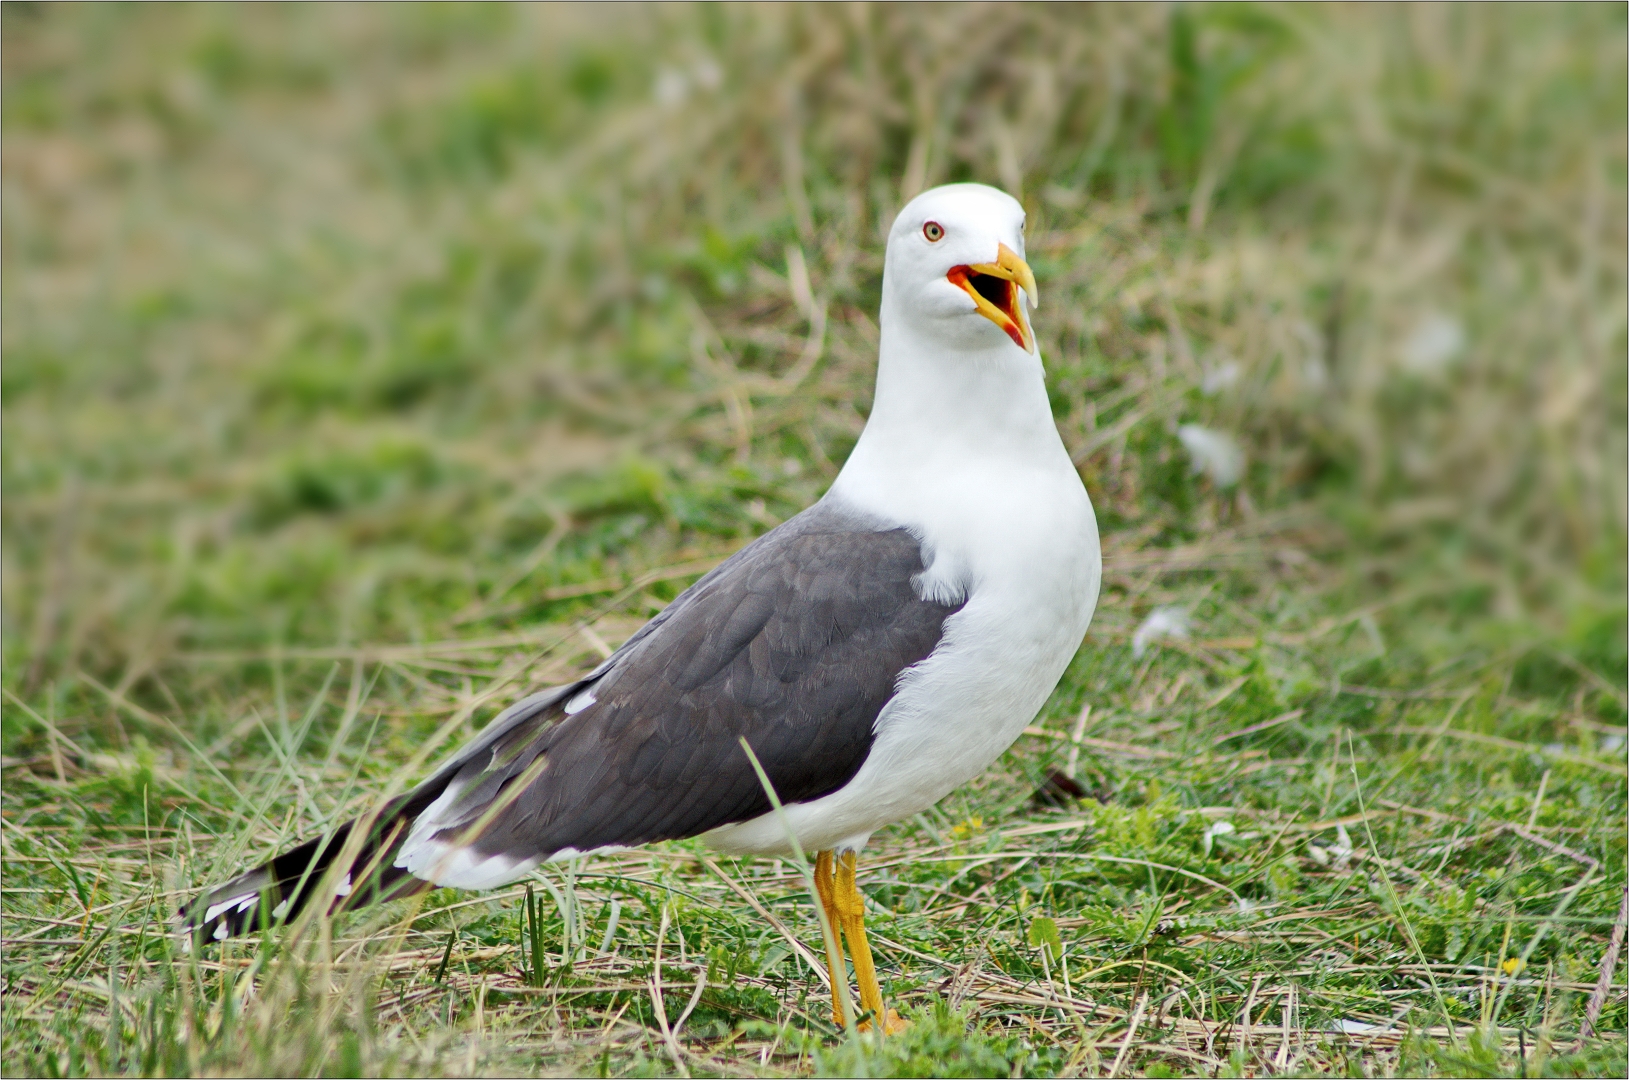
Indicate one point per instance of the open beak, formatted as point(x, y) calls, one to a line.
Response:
point(994, 289)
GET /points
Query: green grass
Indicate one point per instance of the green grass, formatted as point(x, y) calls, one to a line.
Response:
point(367, 366)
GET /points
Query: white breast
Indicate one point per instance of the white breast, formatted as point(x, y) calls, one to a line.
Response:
point(1019, 540)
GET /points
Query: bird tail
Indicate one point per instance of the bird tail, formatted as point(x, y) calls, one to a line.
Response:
point(278, 891)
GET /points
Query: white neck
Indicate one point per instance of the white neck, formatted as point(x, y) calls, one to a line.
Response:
point(942, 402)
point(962, 450)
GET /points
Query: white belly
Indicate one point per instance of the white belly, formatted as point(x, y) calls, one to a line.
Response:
point(1031, 567)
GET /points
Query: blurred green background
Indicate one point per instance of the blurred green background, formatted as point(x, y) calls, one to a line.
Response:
point(318, 320)
point(449, 342)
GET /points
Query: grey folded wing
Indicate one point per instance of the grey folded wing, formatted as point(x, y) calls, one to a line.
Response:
point(795, 643)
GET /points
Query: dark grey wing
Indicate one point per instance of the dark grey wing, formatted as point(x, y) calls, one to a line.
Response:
point(794, 643)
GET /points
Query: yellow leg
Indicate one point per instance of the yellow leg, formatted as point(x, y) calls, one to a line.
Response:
point(825, 887)
point(851, 912)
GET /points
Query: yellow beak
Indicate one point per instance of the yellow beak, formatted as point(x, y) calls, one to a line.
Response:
point(994, 289)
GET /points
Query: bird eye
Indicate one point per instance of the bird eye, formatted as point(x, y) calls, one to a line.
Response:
point(934, 232)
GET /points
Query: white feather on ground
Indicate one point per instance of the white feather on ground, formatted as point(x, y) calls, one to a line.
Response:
point(1162, 622)
point(1214, 454)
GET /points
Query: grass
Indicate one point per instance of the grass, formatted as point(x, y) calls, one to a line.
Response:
point(367, 366)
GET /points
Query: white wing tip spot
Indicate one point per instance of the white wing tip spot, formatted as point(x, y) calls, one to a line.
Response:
point(243, 902)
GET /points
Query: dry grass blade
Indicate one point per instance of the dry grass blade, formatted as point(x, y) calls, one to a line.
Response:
point(1609, 968)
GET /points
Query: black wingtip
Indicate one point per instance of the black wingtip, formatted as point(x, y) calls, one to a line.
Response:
point(265, 896)
point(276, 892)
point(231, 911)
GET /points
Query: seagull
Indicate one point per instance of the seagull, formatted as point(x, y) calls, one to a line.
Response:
point(845, 670)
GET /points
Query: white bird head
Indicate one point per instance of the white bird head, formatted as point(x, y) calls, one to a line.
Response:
point(955, 268)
